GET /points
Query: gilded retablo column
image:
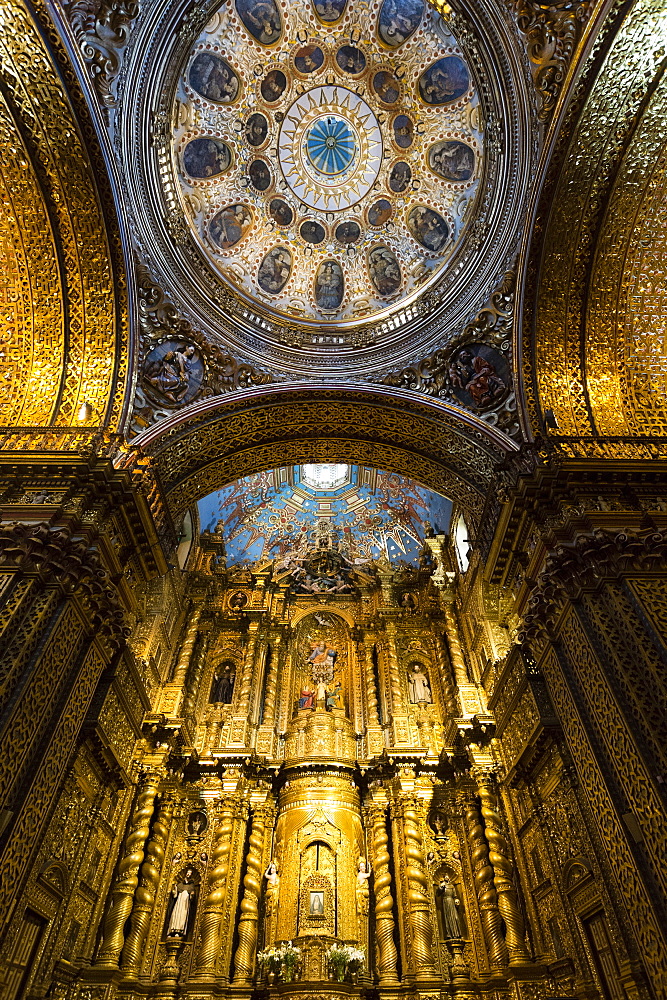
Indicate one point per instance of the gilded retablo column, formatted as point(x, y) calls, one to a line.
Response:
point(211, 921)
point(419, 913)
point(384, 903)
point(127, 877)
point(244, 959)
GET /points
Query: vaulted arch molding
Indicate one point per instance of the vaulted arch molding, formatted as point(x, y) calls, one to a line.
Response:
point(65, 351)
point(221, 440)
point(592, 341)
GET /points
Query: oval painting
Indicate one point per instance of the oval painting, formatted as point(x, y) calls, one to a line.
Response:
point(480, 376)
point(398, 20)
point(230, 225)
point(386, 86)
point(256, 130)
point(384, 270)
point(312, 232)
point(280, 212)
point(454, 161)
point(380, 212)
point(274, 271)
point(273, 86)
point(260, 175)
point(404, 131)
point(174, 370)
point(428, 228)
point(206, 157)
point(329, 285)
point(351, 60)
point(446, 80)
point(330, 10)
point(400, 177)
point(261, 18)
point(348, 232)
point(213, 78)
point(309, 59)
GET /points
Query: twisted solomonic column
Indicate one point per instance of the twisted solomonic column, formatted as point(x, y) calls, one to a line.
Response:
point(397, 699)
point(183, 662)
point(487, 898)
point(149, 881)
point(211, 921)
point(122, 891)
point(269, 713)
point(419, 911)
point(244, 959)
point(384, 904)
point(508, 902)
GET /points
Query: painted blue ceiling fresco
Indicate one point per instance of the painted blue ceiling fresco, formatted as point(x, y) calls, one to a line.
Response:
point(367, 512)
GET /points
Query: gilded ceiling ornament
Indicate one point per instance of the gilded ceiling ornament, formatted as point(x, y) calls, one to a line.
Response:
point(552, 32)
point(102, 29)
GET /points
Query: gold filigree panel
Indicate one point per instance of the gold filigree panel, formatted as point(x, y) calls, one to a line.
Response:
point(586, 386)
point(59, 299)
point(626, 353)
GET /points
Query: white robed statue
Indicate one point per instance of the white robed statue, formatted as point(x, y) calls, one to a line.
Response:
point(183, 894)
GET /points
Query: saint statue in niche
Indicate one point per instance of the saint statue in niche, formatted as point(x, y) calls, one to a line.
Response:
point(449, 904)
point(182, 903)
point(271, 875)
point(334, 697)
point(222, 688)
point(420, 690)
point(307, 699)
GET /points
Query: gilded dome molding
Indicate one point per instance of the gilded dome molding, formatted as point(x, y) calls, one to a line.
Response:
point(153, 61)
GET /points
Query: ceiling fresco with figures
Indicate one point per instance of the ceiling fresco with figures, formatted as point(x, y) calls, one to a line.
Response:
point(360, 512)
point(327, 154)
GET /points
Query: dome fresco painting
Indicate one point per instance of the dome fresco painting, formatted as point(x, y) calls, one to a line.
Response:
point(370, 513)
point(340, 171)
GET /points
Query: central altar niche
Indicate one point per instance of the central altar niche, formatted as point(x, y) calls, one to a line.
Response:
point(323, 695)
point(319, 841)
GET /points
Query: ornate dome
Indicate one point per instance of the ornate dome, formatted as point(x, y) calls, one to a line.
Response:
point(326, 187)
point(327, 170)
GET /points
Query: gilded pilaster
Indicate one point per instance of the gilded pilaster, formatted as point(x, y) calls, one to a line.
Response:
point(487, 897)
point(384, 903)
point(269, 712)
point(503, 868)
point(144, 899)
point(244, 958)
point(211, 922)
point(127, 878)
point(444, 664)
point(454, 643)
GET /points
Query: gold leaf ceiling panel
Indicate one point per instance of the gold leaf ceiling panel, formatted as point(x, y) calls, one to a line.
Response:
point(58, 273)
point(597, 298)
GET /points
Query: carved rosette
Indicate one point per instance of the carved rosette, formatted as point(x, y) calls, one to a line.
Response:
point(127, 878)
point(384, 903)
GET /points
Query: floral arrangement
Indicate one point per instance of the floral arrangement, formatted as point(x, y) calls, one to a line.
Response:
point(342, 957)
point(281, 958)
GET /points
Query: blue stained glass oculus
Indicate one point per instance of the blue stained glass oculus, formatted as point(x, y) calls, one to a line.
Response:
point(331, 145)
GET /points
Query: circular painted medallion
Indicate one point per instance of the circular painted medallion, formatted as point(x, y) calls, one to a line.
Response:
point(330, 148)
